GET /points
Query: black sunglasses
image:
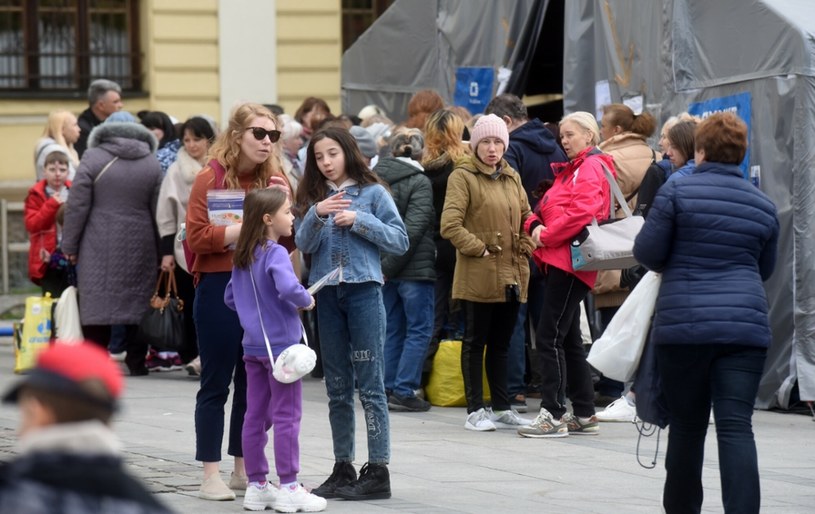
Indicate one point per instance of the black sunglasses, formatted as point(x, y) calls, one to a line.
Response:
point(260, 133)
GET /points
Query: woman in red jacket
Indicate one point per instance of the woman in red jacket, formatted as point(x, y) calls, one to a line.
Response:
point(580, 193)
point(47, 266)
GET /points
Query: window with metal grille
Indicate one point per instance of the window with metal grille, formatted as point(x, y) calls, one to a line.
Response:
point(63, 45)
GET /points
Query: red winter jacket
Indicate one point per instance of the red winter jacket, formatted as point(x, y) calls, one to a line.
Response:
point(41, 223)
point(579, 193)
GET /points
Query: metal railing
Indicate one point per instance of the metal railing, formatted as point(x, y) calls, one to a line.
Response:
point(8, 248)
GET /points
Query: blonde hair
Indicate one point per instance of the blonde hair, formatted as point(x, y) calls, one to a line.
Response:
point(444, 131)
point(227, 148)
point(54, 127)
point(586, 121)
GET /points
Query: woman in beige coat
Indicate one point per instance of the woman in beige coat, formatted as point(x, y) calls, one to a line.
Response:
point(483, 217)
point(624, 138)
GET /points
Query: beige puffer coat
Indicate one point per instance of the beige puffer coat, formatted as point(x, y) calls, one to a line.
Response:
point(632, 156)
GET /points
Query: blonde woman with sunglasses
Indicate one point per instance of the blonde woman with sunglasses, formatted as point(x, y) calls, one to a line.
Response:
point(244, 157)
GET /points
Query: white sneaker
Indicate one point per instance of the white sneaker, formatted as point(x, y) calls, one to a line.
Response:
point(298, 500)
point(508, 419)
point(259, 498)
point(479, 421)
point(618, 411)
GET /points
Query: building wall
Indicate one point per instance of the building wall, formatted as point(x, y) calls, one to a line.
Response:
point(309, 52)
point(180, 43)
point(201, 56)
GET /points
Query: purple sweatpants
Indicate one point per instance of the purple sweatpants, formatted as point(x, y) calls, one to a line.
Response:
point(270, 403)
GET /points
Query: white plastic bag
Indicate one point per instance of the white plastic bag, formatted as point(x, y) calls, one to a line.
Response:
point(617, 352)
point(66, 317)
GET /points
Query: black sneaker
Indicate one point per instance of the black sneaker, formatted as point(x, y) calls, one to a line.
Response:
point(342, 475)
point(518, 403)
point(374, 483)
point(399, 403)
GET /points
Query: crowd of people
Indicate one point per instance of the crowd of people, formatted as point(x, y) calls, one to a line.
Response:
point(448, 226)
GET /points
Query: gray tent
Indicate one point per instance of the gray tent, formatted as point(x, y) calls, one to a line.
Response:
point(756, 57)
point(420, 45)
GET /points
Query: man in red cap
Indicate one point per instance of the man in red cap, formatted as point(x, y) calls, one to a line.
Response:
point(68, 456)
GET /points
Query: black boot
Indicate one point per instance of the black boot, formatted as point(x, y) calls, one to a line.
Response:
point(374, 484)
point(342, 475)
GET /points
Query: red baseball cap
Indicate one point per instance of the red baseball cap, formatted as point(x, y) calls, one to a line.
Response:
point(63, 368)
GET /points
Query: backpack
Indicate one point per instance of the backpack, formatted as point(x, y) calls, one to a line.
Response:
point(651, 182)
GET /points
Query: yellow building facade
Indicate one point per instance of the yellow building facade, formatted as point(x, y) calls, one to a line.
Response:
point(201, 57)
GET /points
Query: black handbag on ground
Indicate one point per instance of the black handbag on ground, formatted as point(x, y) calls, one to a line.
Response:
point(162, 327)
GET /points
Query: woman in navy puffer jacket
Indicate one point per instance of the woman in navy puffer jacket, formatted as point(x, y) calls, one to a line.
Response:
point(713, 236)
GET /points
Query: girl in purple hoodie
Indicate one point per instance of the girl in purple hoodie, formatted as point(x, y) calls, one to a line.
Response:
point(269, 304)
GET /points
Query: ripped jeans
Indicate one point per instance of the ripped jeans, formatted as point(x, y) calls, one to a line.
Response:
point(352, 339)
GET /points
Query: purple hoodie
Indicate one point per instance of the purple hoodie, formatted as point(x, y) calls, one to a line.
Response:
point(280, 295)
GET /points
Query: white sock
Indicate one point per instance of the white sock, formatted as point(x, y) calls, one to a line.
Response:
point(259, 485)
point(290, 485)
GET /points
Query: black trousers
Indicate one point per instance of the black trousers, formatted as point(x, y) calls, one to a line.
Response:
point(186, 291)
point(135, 347)
point(487, 325)
point(560, 347)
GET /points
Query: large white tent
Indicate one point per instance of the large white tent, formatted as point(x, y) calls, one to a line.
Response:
point(755, 57)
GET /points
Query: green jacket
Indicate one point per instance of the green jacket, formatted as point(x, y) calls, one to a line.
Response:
point(485, 209)
point(413, 196)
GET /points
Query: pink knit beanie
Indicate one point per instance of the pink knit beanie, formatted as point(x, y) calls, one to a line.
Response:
point(489, 126)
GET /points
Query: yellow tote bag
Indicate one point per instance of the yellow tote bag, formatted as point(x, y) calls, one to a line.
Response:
point(445, 386)
point(35, 335)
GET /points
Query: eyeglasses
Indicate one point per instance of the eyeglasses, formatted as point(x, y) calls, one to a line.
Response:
point(260, 133)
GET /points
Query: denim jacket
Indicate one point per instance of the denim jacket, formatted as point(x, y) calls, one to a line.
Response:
point(355, 249)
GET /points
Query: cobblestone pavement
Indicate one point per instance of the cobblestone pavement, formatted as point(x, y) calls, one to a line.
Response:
point(438, 467)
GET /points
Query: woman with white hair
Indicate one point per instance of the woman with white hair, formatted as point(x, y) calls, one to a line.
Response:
point(579, 194)
point(291, 143)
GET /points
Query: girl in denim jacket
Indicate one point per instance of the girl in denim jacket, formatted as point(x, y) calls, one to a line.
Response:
point(345, 217)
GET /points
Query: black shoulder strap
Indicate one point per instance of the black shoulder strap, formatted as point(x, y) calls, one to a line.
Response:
point(637, 189)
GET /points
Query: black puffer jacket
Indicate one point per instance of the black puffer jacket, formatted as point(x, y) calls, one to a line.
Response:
point(438, 171)
point(532, 150)
point(413, 196)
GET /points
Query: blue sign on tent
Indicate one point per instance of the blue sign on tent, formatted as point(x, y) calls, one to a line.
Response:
point(740, 105)
point(474, 88)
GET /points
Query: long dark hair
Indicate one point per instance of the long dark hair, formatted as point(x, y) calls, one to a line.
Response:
point(159, 120)
point(258, 202)
point(312, 188)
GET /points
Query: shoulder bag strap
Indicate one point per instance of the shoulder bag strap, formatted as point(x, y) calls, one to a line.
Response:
point(260, 318)
point(618, 195)
point(107, 166)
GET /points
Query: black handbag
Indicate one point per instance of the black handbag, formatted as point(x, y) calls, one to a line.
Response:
point(162, 327)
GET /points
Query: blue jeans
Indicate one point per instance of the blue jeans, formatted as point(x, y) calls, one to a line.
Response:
point(693, 376)
point(409, 314)
point(219, 342)
point(352, 339)
point(516, 358)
